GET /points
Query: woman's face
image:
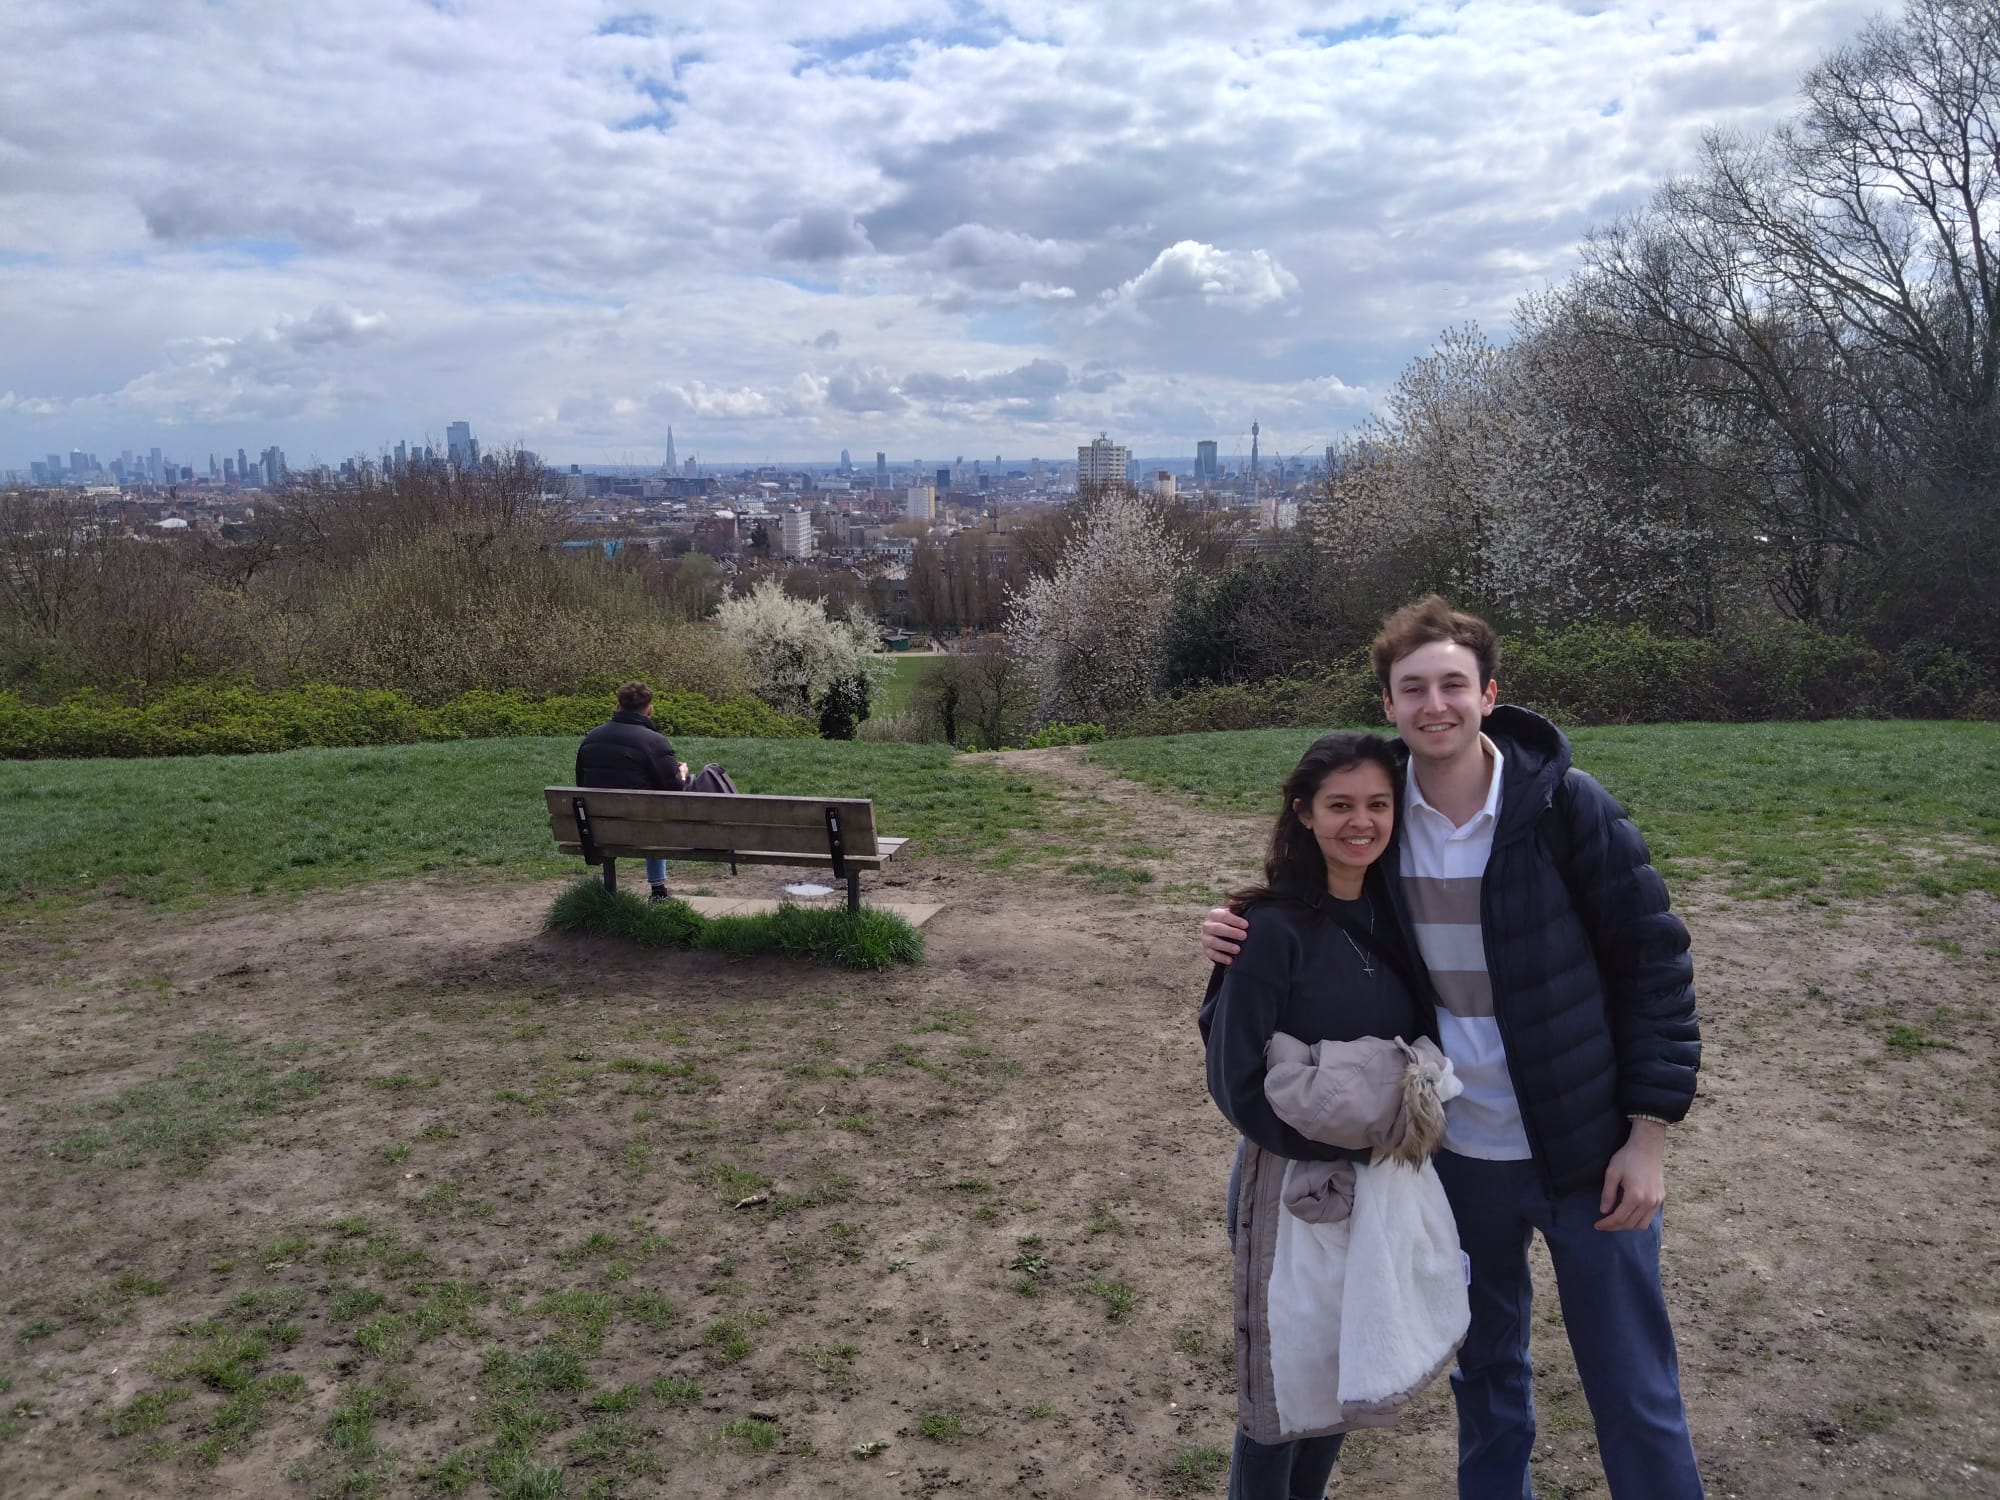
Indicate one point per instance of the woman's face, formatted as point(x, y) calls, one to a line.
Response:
point(1352, 815)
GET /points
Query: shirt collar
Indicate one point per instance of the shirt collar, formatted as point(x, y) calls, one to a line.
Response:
point(1414, 794)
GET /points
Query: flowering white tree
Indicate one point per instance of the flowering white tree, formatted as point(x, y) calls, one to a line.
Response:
point(1090, 633)
point(795, 650)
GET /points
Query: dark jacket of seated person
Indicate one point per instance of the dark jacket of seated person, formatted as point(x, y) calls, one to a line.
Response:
point(1301, 973)
point(628, 754)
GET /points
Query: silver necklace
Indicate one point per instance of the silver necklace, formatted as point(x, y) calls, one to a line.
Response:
point(1367, 960)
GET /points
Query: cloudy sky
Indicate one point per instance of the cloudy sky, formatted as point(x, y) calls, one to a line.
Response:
point(784, 228)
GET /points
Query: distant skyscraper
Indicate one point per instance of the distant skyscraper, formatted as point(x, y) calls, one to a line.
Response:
point(881, 471)
point(672, 462)
point(242, 467)
point(846, 463)
point(458, 444)
point(919, 503)
point(1205, 465)
point(943, 480)
point(402, 456)
point(1254, 429)
point(1100, 464)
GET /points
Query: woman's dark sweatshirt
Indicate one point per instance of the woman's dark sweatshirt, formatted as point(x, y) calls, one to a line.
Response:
point(1299, 973)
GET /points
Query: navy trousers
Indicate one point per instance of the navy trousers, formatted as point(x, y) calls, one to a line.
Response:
point(1616, 1316)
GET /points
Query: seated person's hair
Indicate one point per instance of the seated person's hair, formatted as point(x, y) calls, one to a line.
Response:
point(634, 696)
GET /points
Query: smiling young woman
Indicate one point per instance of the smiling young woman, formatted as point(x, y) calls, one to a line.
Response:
point(1325, 963)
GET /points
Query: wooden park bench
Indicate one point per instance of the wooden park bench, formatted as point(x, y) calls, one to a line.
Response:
point(607, 826)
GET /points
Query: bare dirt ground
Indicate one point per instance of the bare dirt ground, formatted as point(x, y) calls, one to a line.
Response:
point(483, 1218)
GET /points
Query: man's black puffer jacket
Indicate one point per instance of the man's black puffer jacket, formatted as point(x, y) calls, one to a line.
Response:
point(628, 753)
point(1593, 987)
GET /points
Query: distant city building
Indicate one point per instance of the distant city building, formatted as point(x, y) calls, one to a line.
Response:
point(458, 445)
point(1100, 464)
point(881, 471)
point(1205, 465)
point(846, 462)
point(673, 461)
point(943, 480)
point(795, 534)
point(920, 503)
point(1163, 485)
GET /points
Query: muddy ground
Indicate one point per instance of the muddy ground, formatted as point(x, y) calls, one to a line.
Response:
point(384, 1192)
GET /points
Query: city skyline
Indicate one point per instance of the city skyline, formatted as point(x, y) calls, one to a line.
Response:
point(782, 236)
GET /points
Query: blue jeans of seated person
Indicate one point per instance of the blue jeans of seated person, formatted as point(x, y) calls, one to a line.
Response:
point(656, 872)
point(1616, 1316)
point(1297, 1470)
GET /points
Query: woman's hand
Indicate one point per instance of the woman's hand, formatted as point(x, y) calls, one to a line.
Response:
point(1222, 935)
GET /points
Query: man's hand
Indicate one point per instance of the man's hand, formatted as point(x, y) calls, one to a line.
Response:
point(1222, 935)
point(685, 778)
point(1635, 1184)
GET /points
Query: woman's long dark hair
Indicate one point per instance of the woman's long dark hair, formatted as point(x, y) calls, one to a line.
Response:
point(1294, 868)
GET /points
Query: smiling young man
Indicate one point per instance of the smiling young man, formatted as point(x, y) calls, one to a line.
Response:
point(1565, 1001)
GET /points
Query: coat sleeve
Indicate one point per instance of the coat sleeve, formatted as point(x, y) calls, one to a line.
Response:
point(1642, 953)
point(666, 765)
point(1339, 1093)
point(1238, 1019)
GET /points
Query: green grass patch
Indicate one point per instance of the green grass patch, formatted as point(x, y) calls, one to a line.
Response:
point(1194, 1471)
point(171, 830)
point(1119, 1299)
point(899, 683)
point(1847, 809)
point(748, 1435)
point(184, 1121)
point(941, 1427)
point(865, 939)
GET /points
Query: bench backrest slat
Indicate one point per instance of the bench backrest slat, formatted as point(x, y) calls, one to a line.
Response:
point(701, 820)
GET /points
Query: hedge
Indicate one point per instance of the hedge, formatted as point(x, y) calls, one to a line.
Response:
point(1624, 674)
point(212, 719)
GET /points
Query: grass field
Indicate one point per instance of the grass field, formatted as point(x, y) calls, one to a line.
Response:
point(893, 693)
point(389, 1192)
point(171, 829)
point(1850, 809)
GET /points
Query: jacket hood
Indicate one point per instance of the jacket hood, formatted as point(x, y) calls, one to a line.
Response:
point(1537, 758)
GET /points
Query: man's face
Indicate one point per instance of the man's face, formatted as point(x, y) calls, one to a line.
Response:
point(1436, 701)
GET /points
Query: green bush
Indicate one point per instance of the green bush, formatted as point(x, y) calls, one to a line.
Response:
point(1313, 695)
point(218, 719)
point(1624, 674)
point(865, 939)
point(1064, 734)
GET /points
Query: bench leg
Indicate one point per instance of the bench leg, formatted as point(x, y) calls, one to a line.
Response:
point(611, 874)
point(854, 890)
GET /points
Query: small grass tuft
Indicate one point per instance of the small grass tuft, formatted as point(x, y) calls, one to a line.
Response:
point(1194, 1471)
point(1119, 1299)
point(675, 1391)
point(941, 1427)
point(749, 1435)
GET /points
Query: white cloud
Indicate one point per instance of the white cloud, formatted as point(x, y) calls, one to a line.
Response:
point(1190, 270)
point(572, 223)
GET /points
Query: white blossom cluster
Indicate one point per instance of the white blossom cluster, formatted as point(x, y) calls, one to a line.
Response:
point(795, 650)
point(1090, 632)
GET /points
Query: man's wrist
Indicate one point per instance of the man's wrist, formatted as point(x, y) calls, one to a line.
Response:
point(1658, 1122)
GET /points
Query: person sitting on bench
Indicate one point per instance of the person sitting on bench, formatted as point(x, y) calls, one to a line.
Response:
point(627, 753)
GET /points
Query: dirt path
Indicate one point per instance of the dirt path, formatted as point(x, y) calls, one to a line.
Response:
point(990, 1233)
